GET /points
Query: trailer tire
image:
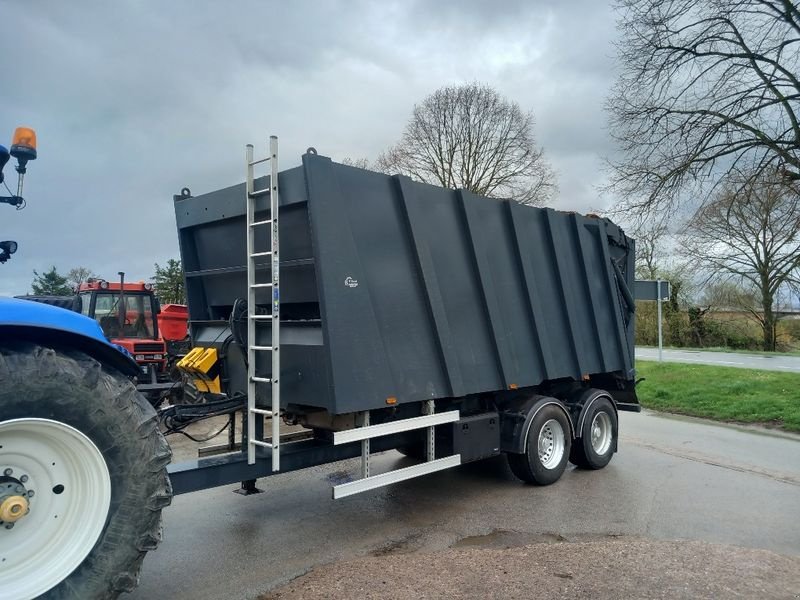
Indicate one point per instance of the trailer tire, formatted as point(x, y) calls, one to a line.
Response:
point(60, 392)
point(597, 440)
point(547, 448)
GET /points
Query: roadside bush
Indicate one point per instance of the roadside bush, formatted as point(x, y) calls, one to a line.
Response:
point(695, 328)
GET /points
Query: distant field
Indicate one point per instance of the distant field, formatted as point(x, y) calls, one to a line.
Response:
point(722, 393)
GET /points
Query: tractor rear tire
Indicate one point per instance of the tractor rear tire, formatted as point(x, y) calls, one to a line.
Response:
point(64, 391)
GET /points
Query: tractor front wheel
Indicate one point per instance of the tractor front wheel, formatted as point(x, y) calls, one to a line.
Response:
point(82, 476)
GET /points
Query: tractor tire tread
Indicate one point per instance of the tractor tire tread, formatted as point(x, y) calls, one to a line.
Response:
point(139, 448)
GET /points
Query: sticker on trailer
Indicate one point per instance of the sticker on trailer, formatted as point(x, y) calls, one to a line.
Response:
point(350, 282)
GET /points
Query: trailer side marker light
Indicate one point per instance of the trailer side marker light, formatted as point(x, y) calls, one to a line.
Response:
point(585, 377)
point(512, 386)
point(391, 400)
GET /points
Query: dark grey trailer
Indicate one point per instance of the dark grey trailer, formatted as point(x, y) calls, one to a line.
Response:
point(398, 301)
point(396, 289)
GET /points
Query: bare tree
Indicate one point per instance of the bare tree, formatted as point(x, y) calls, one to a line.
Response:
point(650, 250)
point(750, 234)
point(468, 136)
point(78, 275)
point(361, 163)
point(705, 87)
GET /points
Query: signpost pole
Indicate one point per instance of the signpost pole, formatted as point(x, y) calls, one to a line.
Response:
point(660, 339)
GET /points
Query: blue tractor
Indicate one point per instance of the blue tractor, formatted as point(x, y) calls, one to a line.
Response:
point(83, 474)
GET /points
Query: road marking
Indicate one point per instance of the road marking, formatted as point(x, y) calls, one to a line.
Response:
point(714, 462)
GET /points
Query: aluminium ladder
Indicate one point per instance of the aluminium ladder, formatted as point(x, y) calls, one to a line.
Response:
point(253, 318)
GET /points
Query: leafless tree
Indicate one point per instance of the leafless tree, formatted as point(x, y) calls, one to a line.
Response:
point(468, 136)
point(650, 251)
point(705, 88)
point(749, 234)
point(78, 275)
point(361, 163)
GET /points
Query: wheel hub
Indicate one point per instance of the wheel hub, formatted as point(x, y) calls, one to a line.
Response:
point(601, 433)
point(545, 444)
point(13, 508)
point(551, 444)
point(14, 498)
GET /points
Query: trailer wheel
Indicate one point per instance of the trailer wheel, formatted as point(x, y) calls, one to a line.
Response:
point(598, 436)
point(547, 448)
point(82, 476)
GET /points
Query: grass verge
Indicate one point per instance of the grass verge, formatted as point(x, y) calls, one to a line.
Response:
point(722, 393)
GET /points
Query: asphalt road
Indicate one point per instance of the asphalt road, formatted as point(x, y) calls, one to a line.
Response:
point(673, 478)
point(769, 362)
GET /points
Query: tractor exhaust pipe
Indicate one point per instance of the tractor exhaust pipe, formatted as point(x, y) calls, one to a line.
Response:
point(122, 316)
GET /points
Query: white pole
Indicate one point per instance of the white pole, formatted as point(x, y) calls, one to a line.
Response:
point(660, 339)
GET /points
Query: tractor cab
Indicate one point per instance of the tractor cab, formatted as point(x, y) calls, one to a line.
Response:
point(127, 314)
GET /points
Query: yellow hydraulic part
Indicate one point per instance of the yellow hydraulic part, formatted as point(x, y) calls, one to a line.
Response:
point(13, 508)
point(201, 364)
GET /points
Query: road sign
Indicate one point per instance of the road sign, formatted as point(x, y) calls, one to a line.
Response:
point(647, 289)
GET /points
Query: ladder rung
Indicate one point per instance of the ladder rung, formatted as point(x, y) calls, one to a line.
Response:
point(259, 161)
point(260, 443)
point(261, 411)
point(261, 380)
point(256, 223)
point(261, 317)
point(257, 254)
point(258, 193)
point(261, 285)
point(264, 348)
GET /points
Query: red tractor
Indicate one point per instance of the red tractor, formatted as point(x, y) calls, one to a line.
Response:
point(127, 314)
point(131, 317)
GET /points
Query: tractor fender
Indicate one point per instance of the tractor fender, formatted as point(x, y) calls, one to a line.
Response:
point(53, 326)
point(516, 419)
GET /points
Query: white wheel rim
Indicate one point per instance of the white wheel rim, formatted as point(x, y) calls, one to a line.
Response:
point(551, 444)
point(63, 524)
point(601, 433)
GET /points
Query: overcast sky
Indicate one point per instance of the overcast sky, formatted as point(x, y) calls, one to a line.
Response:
point(132, 101)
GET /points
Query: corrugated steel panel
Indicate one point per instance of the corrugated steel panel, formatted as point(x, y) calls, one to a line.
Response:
point(393, 288)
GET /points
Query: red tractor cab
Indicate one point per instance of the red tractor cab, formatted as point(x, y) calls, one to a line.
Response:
point(128, 314)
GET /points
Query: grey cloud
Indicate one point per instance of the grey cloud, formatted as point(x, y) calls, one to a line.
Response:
point(134, 100)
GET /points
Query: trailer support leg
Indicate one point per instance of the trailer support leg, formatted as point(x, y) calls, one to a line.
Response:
point(248, 487)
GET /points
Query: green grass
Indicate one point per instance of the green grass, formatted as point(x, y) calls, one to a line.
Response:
point(721, 393)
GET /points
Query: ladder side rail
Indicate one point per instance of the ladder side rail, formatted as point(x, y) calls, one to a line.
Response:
point(251, 305)
point(276, 304)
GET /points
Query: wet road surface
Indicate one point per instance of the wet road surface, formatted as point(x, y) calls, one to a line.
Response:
point(672, 479)
point(768, 362)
